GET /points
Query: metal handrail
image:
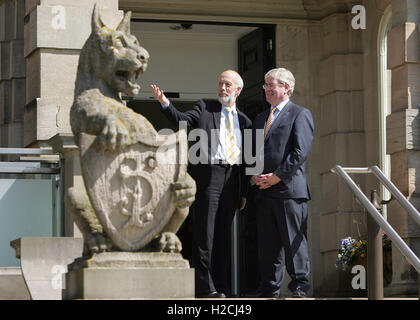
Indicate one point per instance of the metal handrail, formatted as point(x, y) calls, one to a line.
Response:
point(35, 165)
point(27, 167)
point(375, 214)
point(26, 151)
point(407, 205)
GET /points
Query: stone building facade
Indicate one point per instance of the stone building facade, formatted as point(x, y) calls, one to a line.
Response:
point(361, 83)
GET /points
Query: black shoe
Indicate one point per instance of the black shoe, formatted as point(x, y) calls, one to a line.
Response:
point(299, 293)
point(213, 294)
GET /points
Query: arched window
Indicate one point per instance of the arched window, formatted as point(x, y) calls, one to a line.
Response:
point(384, 99)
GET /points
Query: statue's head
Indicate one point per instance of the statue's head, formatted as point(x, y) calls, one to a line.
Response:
point(118, 59)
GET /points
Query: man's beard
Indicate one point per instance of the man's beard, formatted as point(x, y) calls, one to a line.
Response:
point(227, 100)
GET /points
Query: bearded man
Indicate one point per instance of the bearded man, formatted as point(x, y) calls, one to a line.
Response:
point(219, 173)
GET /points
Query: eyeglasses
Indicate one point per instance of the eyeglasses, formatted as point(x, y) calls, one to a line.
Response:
point(272, 85)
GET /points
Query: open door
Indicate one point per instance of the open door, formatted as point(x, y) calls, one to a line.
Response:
point(256, 57)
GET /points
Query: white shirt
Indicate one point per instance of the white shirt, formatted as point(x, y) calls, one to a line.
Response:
point(279, 107)
point(221, 148)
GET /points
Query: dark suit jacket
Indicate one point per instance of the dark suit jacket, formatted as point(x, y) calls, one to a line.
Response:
point(205, 115)
point(286, 148)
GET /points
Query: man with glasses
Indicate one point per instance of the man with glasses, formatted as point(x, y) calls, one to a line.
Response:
point(220, 188)
point(283, 192)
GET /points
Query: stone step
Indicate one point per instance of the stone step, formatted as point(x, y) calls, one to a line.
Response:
point(303, 299)
point(12, 284)
point(13, 287)
point(308, 298)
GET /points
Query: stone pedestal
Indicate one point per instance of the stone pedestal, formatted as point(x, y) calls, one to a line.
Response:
point(130, 275)
point(44, 261)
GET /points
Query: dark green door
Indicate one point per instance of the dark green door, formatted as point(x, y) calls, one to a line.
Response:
point(256, 57)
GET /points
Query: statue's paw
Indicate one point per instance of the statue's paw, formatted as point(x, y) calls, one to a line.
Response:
point(184, 192)
point(97, 242)
point(167, 242)
point(115, 135)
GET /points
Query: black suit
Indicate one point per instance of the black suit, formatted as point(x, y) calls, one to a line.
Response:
point(282, 208)
point(219, 189)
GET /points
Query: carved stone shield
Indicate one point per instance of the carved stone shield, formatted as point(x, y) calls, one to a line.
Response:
point(130, 190)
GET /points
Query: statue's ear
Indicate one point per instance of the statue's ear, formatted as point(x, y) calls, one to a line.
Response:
point(124, 25)
point(97, 23)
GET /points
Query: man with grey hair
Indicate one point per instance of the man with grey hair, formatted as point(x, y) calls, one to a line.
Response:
point(220, 188)
point(283, 192)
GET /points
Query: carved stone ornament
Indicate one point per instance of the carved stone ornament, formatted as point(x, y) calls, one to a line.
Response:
point(130, 191)
point(137, 188)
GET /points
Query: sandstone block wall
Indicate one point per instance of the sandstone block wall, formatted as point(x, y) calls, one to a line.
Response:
point(403, 134)
point(54, 33)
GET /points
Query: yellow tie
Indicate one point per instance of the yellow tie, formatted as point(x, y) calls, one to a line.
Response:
point(269, 122)
point(232, 150)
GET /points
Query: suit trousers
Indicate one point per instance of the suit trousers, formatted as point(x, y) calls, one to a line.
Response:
point(282, 244)
point(213, 213)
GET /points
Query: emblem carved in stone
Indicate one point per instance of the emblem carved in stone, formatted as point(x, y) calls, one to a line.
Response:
point(137, 191)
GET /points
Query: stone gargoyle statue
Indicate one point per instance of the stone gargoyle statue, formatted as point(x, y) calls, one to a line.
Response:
point(137, 191)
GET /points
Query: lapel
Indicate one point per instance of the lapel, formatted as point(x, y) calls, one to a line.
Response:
point(241, 120)
point(280, 119)
point(216, 116)
point(263, 119)
point(217, 111)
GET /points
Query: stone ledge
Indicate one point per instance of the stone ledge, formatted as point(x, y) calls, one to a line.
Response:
point(10, 271)
point(142, 260)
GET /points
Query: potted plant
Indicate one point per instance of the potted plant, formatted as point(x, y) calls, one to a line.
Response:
point(352, 252)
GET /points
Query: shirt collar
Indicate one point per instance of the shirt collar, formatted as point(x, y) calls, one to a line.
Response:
point(233, 108)
point(281, 105)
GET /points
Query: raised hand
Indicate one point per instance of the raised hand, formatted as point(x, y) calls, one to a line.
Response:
point(159, 95)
